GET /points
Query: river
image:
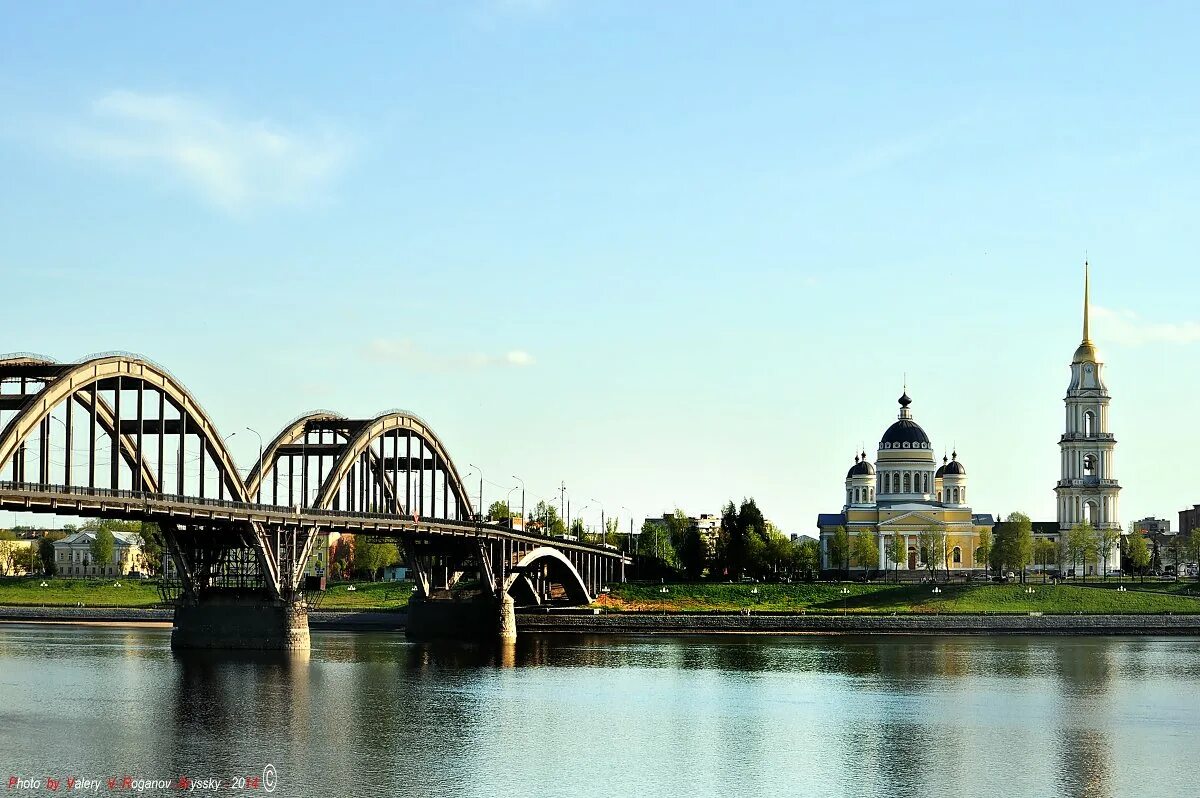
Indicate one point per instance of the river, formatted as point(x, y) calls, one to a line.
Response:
point(558, 715)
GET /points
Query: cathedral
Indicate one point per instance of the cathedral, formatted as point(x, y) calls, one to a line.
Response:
point(904, 493)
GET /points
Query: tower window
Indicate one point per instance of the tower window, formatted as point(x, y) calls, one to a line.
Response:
point(1089, 423)
point(956, 557)
point(1089, 465)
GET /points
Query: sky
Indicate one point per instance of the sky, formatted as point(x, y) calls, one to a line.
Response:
point(668, 254)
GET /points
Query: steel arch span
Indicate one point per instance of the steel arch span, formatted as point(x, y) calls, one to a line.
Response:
point(118, 436)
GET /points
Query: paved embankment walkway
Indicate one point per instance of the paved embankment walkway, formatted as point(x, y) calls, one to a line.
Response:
point(325, 620)
point(681, 624)
point(684, 624)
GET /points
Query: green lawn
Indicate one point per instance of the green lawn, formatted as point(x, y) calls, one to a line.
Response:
point(28, 591)
point(881, 598)
point(367, 596)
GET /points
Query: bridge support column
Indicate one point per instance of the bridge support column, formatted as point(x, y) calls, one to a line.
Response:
point(507, 621)
point(241, 621)
point(480, 619)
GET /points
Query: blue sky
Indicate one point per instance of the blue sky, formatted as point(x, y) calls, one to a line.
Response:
point(669, 254)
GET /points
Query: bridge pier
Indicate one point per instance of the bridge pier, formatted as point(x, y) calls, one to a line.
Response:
point(241, 621)
point(480, 619)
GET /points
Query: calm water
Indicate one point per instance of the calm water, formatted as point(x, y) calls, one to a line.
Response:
point(371, 714)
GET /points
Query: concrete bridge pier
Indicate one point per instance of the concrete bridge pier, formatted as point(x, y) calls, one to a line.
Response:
point(240, 621)
point(479, 619)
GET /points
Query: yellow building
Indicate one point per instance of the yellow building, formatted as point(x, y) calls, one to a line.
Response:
point(904, 494)
point(73, 555)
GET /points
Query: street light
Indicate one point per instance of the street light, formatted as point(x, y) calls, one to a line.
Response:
point(508, 506)
point(522, 501)
point(260, 454)
point(603, 527)
point(629, 542)
point(480, 470)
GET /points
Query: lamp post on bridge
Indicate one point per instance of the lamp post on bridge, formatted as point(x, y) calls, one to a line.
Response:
point(260, 454)
point(603, 526)
point(479, 512)
point(522, 500)
point(508, 507)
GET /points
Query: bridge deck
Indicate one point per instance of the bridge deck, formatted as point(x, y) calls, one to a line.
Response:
point(145, 506)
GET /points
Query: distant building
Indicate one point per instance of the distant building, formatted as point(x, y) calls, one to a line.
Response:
point(1158, 535)
point(73, 555)
point(707, 524)
point(322, 551)
point(1189, 519)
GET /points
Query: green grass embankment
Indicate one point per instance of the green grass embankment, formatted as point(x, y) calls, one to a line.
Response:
point(884, 598)
point(27, 591)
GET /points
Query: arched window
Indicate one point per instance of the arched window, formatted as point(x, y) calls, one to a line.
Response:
point(939, 495)
point(956, 495)
point(849, 497)
point(964, 495)
point(925, 482)
point(1089, 465)
point(907, 482)
point(1089, 423)
point(895, 482)
point(956, 556)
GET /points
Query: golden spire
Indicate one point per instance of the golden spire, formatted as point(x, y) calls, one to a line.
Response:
point(1086, 291)
point(1086, 353)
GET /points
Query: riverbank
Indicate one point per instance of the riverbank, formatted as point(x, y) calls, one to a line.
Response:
point(629, 623)
point(1098, 598)
point(328, 620)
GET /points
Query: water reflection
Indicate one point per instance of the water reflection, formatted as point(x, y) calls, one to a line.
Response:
point(597, 715)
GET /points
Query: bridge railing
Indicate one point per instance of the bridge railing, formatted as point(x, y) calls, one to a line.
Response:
point(247, 507)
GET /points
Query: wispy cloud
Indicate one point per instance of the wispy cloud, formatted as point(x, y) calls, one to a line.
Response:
point(1129, 329)
point(233, 163)
point(406, 352)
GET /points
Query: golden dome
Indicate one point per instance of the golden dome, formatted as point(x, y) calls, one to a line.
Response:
point(1086, 353)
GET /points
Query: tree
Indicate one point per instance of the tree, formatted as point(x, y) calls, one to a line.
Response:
point(896, 552)
point(983, 553)
point(1016, 542)
point(46, 555)
point(1081, 544)
point(1191, 550)
point(341, 559)
point(546, 518)
point(865, 552)
point(839, 549)
point(1044, 551)
point(370, 556)
point(1106, 540)
point(102, 547)
point(1137, 552)
point(692, 553)
point(932, 543)
point(655, 541)
point(808, 557)
point(499, 511)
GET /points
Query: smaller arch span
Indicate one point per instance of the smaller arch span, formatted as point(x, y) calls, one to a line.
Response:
point(569, 576)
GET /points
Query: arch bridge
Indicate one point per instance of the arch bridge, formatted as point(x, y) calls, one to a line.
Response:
point(118, 436)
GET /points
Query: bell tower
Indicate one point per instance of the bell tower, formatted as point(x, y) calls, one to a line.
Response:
point(1088, 488)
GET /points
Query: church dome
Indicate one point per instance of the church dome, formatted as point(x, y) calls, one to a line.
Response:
point(905, 431)
point(942, 468)
point(861, 468)
point(1086, 353)
point(954, 467)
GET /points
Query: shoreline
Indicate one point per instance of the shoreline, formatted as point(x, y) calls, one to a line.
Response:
point(677, 623)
